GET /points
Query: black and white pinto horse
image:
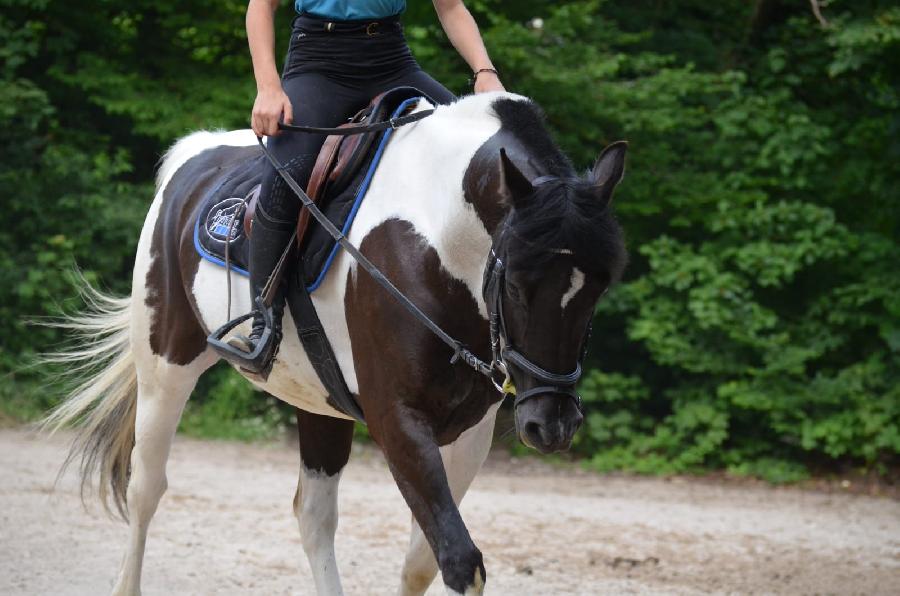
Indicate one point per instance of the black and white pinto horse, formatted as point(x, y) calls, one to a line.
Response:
point(477, 176)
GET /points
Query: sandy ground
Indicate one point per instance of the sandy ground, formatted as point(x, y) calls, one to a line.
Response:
point(226, 527)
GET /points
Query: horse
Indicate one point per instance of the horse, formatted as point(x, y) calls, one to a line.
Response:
point(478, 184)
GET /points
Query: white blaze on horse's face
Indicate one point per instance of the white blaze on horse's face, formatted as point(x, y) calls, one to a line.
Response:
point(576, 283)
point(549, 331)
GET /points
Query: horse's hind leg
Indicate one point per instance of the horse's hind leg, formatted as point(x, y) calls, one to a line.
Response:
point(324, 450)
point(462, 460)
point(163, 389)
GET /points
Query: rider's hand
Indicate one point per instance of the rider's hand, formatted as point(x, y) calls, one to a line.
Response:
point(271, 105)
point(488, 81)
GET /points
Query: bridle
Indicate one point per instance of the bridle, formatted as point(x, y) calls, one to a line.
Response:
point(504, 353)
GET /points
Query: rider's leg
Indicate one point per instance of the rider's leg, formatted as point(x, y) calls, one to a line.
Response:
point(418, 78)
point(267, 242)
point(317, 101)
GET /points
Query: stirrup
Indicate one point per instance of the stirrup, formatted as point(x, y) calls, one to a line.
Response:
point(257, 363)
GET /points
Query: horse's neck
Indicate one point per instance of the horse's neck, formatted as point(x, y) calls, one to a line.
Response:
point(421, 181)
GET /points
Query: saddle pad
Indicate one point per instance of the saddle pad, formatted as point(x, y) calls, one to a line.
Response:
point(220, 210)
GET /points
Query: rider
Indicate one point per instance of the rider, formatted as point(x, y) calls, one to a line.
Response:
point(342, 53)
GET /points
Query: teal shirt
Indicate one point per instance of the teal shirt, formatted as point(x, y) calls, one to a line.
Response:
point(350, 10)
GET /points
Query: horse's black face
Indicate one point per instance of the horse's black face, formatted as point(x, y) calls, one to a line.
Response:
point(547, 314)
point(560, 248)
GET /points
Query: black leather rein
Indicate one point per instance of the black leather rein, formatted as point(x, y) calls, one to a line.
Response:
point(356, 129)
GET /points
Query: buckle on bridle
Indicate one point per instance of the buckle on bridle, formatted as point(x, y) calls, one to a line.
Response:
point(500, 378)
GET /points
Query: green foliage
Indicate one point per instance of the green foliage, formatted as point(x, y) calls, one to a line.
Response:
point(763, 292)
point(758, 328)
point(223, 408)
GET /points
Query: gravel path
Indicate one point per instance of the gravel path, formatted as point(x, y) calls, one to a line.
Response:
point(226, 527)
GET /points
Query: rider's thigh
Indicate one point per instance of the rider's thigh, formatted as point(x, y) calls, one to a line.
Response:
point(421, 80)
point(317, 100)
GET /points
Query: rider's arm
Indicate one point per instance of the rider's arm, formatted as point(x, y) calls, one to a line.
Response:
point(465, 37)
point(271, 101)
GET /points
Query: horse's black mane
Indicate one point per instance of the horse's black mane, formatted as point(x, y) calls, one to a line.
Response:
point(566, 211)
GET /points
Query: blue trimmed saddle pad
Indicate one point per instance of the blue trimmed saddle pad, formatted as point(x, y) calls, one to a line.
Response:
point(220, 221)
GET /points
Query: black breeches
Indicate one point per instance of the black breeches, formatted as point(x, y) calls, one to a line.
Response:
point(328, 78)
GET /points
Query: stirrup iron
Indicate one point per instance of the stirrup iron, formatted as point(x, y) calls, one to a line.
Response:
point(257, 363)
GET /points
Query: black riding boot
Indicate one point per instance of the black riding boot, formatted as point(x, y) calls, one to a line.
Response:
point(268, 240)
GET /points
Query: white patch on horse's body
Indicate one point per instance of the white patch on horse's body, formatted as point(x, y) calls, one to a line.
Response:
point(434, 202)
point(432, 199)
point(576, 283)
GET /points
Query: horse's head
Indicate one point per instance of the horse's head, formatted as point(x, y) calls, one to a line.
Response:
point(554, 254)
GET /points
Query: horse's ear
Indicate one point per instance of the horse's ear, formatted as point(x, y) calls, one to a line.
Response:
point(514, 186)
point(609, 169)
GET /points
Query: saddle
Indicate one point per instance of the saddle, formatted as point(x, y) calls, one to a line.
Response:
point(338, 185)
point(343, 156)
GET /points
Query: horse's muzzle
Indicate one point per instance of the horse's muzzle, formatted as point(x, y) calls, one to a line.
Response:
point(548, 423)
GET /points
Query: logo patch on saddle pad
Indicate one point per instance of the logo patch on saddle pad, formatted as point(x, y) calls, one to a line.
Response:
point(225, 214)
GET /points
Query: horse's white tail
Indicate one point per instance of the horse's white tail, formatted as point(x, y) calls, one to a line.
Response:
point(102, 404)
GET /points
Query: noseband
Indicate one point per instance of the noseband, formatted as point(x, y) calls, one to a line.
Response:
point(494, 287)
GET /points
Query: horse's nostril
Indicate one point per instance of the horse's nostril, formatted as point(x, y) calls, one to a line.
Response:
point(533, 432)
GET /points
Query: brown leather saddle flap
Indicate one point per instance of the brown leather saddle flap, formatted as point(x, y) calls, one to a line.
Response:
point(328, 160)
point(341, 156)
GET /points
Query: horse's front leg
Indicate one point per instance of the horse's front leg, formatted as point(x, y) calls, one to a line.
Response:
point(462, 460)
point(324, 450)
point(415, 461)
